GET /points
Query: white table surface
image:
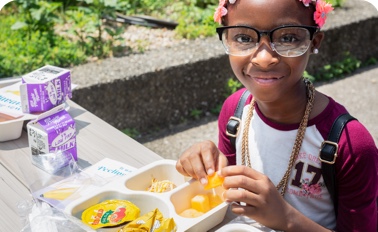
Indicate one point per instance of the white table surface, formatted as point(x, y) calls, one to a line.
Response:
point(96, 140)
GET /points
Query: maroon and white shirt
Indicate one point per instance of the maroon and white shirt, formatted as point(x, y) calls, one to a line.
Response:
point(270, 147)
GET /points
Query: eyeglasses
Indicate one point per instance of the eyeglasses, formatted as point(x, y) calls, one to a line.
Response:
point(287, 41)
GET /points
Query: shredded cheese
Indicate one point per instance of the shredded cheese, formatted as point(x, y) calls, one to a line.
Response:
point(161, 186)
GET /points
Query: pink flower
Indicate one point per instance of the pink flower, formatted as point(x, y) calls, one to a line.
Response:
point(220, 11)
point(322, 9)
point(316, 189)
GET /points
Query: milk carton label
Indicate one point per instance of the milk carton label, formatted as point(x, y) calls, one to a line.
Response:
point(45, 88)
point(51, 136)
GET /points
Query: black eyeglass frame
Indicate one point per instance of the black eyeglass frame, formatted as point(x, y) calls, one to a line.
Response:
point(311, 29)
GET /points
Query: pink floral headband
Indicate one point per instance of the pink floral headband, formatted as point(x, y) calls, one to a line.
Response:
point(320, 15)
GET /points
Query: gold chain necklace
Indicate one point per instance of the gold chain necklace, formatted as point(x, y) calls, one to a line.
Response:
point(298, 140)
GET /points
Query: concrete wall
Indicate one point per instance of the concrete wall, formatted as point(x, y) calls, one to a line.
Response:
point(155, 100)
point(159, 89)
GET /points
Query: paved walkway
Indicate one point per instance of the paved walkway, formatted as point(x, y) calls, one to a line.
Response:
point(358, 93)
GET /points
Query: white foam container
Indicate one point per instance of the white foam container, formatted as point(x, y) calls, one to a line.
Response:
point(171, 204)
point(8, 81)
point(11, 129)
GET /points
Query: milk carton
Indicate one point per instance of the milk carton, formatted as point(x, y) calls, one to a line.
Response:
point(45, 88)
point(52, 139)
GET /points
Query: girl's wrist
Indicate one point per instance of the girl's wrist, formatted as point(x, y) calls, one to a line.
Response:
point(296, 221)
point(292, 218)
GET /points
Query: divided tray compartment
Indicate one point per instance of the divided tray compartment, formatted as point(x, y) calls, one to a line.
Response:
point(180, 200)
point(133, 188)
point(141, 179)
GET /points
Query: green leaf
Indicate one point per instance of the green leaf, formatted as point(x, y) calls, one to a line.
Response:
point(110, 31)
point(37, 14)
point(18, 25)
point(111, 3)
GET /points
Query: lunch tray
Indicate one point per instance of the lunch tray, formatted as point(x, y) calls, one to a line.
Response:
point(133, 188)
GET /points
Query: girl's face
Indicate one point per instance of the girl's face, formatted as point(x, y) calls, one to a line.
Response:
point(266, 74)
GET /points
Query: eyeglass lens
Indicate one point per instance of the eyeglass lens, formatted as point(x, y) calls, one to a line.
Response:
point(287, 42)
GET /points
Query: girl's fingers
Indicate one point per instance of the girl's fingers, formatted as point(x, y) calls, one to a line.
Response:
point(180, 168)
point(241, 195)
point(210, 154)
point(200, 160)
point(235, 170)
point(243, 209)
point(245, 178)
point(191, 163)
point(222, 162)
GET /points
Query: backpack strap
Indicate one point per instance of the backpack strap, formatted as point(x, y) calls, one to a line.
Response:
point(328, 149)
point(234, 122)
point(328, 155)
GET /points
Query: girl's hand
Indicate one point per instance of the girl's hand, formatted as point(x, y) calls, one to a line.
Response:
point(200, 160)
point(263, 202)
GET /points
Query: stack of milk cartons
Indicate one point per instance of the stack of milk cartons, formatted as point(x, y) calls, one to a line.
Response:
point(52, 135)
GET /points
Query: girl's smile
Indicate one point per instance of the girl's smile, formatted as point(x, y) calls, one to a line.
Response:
point(266, 78)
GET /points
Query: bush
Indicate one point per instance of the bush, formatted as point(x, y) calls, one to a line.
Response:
point(195, 22)
point(20, 55)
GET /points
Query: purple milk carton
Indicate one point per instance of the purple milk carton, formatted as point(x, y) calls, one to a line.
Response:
point(52, 139)
point(45, 88)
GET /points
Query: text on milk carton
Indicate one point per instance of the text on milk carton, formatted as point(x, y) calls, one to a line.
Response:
point(45, 88)
point(53, 133)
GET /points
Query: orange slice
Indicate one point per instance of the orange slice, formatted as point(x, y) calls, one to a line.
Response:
point(214, 181)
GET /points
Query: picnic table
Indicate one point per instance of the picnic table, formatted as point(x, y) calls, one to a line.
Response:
point(96, 140)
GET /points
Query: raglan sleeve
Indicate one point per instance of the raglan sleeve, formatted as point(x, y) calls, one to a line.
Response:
point(357, 177)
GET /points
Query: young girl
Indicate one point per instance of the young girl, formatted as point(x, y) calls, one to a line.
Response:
point(274, 170)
